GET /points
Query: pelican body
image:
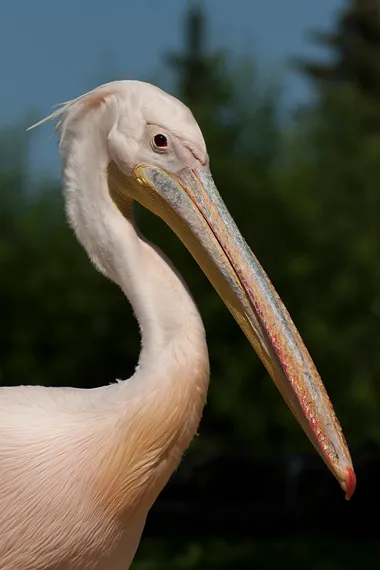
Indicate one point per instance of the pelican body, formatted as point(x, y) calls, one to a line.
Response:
point(80, 469)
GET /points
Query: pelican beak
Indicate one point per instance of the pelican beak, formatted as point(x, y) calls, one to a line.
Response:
point(190, 204)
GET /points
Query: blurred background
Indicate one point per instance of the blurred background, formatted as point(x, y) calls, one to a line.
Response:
point(288, 97)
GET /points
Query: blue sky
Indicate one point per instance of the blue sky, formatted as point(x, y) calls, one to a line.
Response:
point(54, 51)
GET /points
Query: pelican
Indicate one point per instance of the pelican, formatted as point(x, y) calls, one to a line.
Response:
point(80, 469)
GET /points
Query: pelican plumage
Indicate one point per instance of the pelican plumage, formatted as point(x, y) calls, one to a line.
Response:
point(80, 469)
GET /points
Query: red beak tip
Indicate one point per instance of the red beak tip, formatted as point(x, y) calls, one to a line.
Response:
point(350, 483)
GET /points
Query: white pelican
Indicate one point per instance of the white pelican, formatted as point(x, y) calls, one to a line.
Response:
point(80, 469)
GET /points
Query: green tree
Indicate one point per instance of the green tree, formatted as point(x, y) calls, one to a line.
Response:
point(330, 186)
point(330, 182)
point(355, 61)
point(356, 49)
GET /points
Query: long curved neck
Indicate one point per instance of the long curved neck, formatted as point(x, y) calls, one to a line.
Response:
point(154, 415)
point(165, 310)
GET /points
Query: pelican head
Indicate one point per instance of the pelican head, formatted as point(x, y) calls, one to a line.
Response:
point(158, 158)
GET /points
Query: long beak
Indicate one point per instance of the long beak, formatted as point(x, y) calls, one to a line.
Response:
point(191, 205)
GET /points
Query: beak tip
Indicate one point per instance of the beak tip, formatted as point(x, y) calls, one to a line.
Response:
point(349, 483)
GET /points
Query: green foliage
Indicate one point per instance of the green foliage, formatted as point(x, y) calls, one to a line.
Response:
point(330, 186)
point(354, 44)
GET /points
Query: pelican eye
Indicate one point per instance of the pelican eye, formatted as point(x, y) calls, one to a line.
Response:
point(160, 141)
